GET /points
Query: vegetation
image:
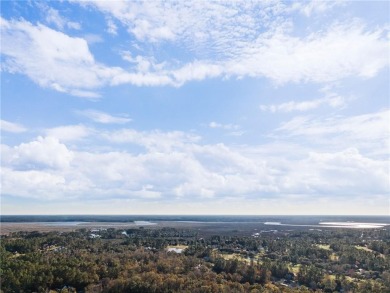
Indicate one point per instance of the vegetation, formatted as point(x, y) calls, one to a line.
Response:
point(137, 260)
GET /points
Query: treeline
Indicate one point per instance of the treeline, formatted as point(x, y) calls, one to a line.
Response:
point(136, 260)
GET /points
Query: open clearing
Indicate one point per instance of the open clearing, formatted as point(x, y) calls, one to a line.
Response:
point(324, 246)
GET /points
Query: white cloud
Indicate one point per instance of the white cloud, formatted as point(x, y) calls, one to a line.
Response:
point(315, 6)
point(143, 64)
point(44, 152)
point(214, 124)
point(245, 40)
point(152, 140)
point(63, 63)
point(69, 132)
point(143, 79)
point(54, 59)
point(233, 129)
point(31, 183)
point(79, 93)
point(11, 127)
point(143, 30)
point(339, 52)
point(249, 39)
point(153, 27)
point(190, 22)
point(177, 166)
point(73, 25)
point(102, 117)
point(93, 38)
point(370, 132)
point(342, 173)
point(145, 192)
point(333, 101)
point(370, 126)
point(111, 27)
point(53, 17)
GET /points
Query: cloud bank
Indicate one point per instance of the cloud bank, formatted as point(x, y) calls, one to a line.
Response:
point(244, 41)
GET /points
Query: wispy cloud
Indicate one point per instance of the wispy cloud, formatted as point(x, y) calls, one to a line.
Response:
point(111, 27)
point(369, 132)
point(372, 125)
point(69, 132)
point(11, 127)
point(246, 40)
point(102, 117)
point(93, 38)
point(332, 101)
point(232, 129)
point(155, 140)
point(214, 124)
point(309, 8)
point(53, 16)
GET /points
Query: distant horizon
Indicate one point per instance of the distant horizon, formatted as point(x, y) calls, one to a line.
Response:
point(208, 215)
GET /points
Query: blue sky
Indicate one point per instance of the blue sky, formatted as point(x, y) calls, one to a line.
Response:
point(195, 107)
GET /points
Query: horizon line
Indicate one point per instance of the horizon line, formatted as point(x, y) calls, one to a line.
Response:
point(216, 215)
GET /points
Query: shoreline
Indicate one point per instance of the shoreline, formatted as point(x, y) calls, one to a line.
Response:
point(10, 227)
point(206, 228)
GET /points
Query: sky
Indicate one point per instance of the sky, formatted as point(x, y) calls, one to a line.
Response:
point(195, 107)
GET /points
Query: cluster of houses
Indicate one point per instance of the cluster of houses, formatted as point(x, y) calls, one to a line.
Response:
point(94, 232)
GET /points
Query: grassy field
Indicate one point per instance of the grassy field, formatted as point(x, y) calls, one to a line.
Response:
point(368, 250)
point(295, 268)
point(237, 256)
point(333, 256)
point(324, 246)
point(240, 257)
point(363, 248)
point(177, 248)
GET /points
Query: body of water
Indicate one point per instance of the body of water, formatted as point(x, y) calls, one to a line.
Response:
point(320, 221)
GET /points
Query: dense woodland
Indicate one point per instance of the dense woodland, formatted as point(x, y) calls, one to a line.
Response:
point(137, 260)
